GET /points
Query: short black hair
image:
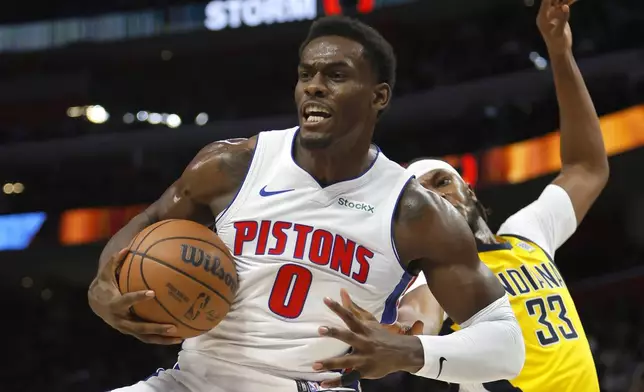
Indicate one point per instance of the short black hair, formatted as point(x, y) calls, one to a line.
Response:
point(378, 51)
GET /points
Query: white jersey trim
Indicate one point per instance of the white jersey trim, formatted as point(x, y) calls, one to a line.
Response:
point(224, 212)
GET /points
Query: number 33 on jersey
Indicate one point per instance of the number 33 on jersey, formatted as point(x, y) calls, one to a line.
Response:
point(557, 351)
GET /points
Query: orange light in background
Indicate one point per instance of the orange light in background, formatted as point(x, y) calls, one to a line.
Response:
point(514, 163)
point(87, 225)
point(79, 226)
point(529, 159)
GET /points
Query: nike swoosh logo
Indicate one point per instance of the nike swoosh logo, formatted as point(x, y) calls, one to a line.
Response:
point(264, 193)
point(440, 368)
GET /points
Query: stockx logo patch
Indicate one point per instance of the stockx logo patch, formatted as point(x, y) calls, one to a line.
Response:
point(354, 205)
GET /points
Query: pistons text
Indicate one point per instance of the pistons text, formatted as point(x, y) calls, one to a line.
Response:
point(325, 249)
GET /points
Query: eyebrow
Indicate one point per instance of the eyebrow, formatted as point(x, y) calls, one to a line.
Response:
point(342, 63)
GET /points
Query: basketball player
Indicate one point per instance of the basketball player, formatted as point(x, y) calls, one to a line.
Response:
point(558, 356)
point(309, 211)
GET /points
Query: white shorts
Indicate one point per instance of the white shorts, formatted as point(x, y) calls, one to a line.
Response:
point(195, 375)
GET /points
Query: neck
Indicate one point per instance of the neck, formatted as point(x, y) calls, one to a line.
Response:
point(343, 160)
point(483, 234)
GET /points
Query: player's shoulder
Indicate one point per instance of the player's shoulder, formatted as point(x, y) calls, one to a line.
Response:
point(417, 211)
point(224, 162)
point(224, 148)
point(229, 151)
point(417, 203)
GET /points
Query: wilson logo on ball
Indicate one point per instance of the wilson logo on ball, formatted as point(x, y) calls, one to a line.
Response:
point(199, 258)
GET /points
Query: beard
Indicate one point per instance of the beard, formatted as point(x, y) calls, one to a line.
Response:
point(471, 215)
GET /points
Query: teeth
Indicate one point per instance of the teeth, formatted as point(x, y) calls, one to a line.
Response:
point(316, 109)
point(314, 119)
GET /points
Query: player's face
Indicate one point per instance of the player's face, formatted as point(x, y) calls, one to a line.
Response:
point(453, 189)
point(336, 92)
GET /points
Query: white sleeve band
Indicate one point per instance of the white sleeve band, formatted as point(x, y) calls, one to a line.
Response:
point(548, 221)
point(490, 347)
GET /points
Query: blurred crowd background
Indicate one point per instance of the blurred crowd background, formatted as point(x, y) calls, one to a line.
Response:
point(103, 104)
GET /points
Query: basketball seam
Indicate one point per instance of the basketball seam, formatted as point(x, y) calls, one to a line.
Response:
point(144, 256)
point(134, 253)
point(145, 282)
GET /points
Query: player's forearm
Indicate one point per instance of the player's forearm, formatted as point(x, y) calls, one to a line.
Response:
point(124, 236)
point(581, 138)
point(489, 349)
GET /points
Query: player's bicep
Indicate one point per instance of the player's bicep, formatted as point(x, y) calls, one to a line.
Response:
point(175, 203)
point(461, 283)
point(463, 290)
point(438, 237)
point(210, 179)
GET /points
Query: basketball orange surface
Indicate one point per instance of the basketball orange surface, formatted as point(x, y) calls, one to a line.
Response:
point(190, 270)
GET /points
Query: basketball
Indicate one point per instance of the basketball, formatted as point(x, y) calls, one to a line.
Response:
point(190, 270)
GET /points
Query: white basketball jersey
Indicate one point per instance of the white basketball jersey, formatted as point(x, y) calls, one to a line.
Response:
point(296, 242)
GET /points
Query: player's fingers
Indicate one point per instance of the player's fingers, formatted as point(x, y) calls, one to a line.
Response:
point(417, 328)
point(145, 328)
point(395, 328)
point(116, 260)
point(125, 301)
point(345, 362)
point(349, 337)
point(565, 9)
point(346, 315)
point(562, 8)
point(357, 311)
point(562, 17)
point(347, 302)
point(334, 383)
point(161, 340)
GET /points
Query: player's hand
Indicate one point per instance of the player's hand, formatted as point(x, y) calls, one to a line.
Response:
point(363, 315)
point(554, 27)
point(108, 303)
point(376, 352)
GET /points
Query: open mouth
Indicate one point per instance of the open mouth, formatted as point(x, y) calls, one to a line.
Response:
point(315, 114)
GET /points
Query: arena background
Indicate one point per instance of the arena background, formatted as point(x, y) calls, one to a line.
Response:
point(102, 104)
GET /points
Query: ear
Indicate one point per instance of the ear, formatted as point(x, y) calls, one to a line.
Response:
point(381, 96)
